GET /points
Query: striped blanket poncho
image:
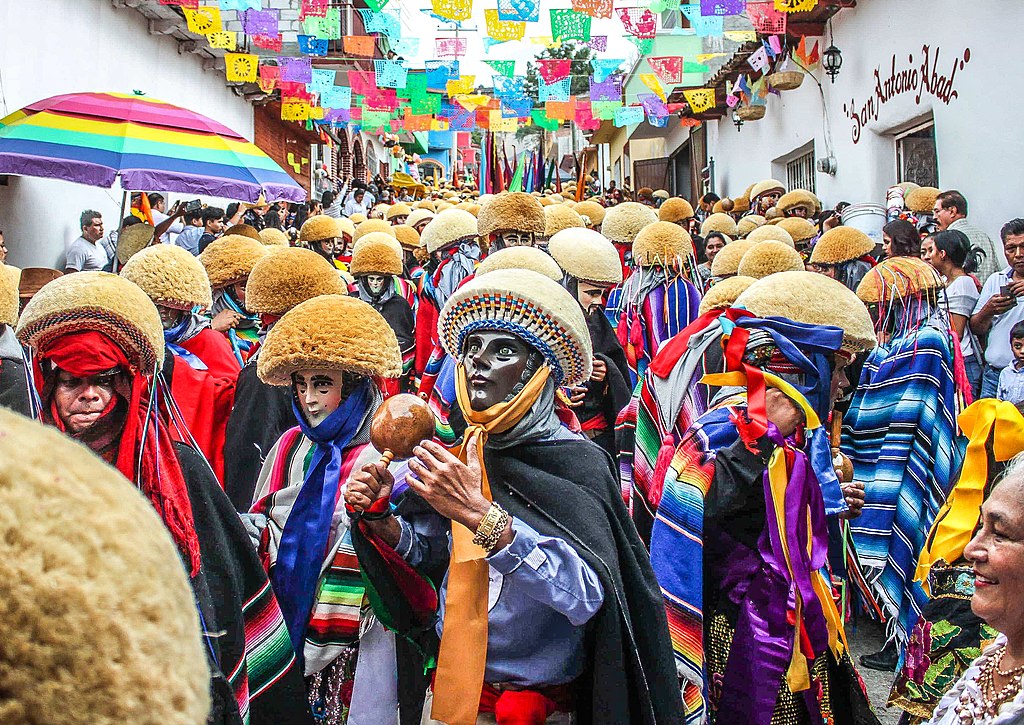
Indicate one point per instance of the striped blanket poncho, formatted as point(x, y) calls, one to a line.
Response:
point(900, 435)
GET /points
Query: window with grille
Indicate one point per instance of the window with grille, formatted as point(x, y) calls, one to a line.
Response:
point(800, 172)
point(916, 157)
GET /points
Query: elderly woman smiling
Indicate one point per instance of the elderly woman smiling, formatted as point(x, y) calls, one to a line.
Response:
point(990, 691)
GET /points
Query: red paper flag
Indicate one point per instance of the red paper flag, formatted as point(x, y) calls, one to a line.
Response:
point(668, 68)
point(552, 70)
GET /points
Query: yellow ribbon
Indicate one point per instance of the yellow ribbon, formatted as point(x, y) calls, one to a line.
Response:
point(798, 674)
point(954, 526)
point(462, 659)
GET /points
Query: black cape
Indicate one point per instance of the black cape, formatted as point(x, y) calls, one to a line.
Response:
point(14, 386)
point(399, 316)
point(612, 396)
point(568, 489)
point(229, 580)
point(260, 415)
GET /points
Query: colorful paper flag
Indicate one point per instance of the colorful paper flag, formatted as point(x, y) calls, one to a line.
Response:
point(502, 30)
point(260, 22)
point(527, 11)
point(722, 7)
point(310, 8)
point(241, 67)
point(766, 19)
point(758, 60)
point(604, 67)
point(557, 91)
point(506, 68)
point(268, 42)
point(298, 70)
point(795, 6)
point(553, 69)
point(593, 8)
point(669, 68)
point(223, 40)
point(651, 81)
point(567, 24)
point(453, 9)
point(312, 45)
point(640, 22)
point(450, 47)
point(628, 115)
point(361, 45)
point(203, 19)
point(609, 89)
point(700, 99)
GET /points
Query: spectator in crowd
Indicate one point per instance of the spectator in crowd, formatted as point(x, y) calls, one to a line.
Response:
point(997, 310)
point(213, 225)
point(331, 203)
point(356, 204)
point(255, 214)
point(950, 212)
point(190, 236)
point(85, 253)
point(713, 243)
point(158, 209)
point(612, 196)
point(951, 255)
point(1011, 379)
point(901, 239)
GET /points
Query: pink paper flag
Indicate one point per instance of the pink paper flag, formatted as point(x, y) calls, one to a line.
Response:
point(552, 70)
point(669, 68)
point(640, 22)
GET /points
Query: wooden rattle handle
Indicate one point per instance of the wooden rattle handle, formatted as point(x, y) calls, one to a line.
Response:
point(386, 457)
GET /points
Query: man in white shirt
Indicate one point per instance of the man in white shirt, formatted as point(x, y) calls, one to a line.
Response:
point(356, 203)
point(950, 212)
point(158, 207)
point(85, 253)
point(1000, 307)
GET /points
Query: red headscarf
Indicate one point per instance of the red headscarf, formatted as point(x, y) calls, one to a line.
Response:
point(160, 478)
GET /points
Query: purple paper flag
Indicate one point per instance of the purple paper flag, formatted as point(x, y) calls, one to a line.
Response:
point(653, 105)
point(722, 7)
point(260, 22)
point(608, 90)
point(299, 70)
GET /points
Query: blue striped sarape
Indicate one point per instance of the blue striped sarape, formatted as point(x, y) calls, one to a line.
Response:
point(900, 434)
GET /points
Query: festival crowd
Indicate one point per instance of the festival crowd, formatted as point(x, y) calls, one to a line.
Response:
point(588, 456)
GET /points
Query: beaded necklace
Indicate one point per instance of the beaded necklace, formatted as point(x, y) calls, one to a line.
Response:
point(986, 705)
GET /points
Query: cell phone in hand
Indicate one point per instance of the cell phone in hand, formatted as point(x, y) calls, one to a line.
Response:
point(194, 205)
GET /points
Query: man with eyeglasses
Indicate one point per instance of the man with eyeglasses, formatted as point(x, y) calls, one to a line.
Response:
point(86, 254)
point(998, 308)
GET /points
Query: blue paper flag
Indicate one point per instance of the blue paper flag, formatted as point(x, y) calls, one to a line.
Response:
point(557, 91)
point(239, 5)
point(390, 73)
point(322, 80)
point(405, 46)
point(312, 45)
point(604, 67)
point(336, 97)
point(703, 25)
point(514, 86)
point(386, 23)
point(439, 72)
point(628, 115)
point(519, 10)
point(516, 107)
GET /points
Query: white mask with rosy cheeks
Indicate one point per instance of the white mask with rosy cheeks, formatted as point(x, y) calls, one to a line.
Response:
point(516, 239)
point(318, 393)
point(375, 283)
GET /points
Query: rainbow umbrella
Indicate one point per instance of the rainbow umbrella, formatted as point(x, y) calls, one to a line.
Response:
point(91, 138)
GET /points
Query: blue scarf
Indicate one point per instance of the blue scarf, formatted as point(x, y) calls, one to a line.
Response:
point(174, 334)
point(304, 540)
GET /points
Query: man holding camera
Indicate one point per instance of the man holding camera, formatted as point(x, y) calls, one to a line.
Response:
point(998, 308)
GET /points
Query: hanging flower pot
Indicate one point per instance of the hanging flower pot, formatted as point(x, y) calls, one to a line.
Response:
point(786, 80)
point(751, 113)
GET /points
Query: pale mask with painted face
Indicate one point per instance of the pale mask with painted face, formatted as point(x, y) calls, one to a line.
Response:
point(591, 297)
point(169, 316)
point(375, 283)
point(318, 392)
point(514, 239)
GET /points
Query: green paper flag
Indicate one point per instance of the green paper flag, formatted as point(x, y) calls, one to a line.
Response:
point(506, 68)
point(540, 118)
point(517, 178)
point(567, 24)
point(376, 5)
point(646, 45)
point(691, 67)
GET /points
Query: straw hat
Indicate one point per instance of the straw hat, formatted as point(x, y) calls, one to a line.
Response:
point(521, 258)
point(408, 237)
point(399, 209)
point(100, 302)
point(558, 217)
point(373, 225)
point(675, 209)
point(379, 238)
point(624, 221)
point(450, 227)
point(770, 232)
point(660, 194)
point(812, 299)
point(748, 224)
point(319, 227)
point(722, 223)
point(374, 255)
point(357, 218)
point(797, 198)
point(898, 278)
point(424, 204)
point(723, 294)
point(727, 262)
point(661, 243)
point(346, 226)
point(332, 332)
point(132, 239)
point(230, 259)
point(586, 255)
point(922, 199)
point(841, 244)
point(518, 212)
point(294, 275)
point(419, 215)
point(799, 229)
point(243, 230)
point(763, 187)
point(92, 621)
point(769, 257)
point(171, 276)
point(9, 301)
point(592, 213)
point(274, 237)
point(529, 305)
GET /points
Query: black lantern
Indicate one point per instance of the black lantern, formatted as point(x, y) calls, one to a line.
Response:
point(832, 59)
point(737, 121)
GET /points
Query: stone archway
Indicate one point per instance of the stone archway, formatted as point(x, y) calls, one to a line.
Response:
point(358, 162)
point(344, 155)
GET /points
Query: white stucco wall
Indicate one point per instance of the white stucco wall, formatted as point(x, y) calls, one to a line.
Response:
point(979, 143)
point(52, 47)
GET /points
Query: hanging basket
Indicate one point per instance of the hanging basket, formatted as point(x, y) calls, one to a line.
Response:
point(750, 113)
point(786, 80)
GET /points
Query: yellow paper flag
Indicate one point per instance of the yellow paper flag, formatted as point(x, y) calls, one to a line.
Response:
point(508, 125)
point(741, 36)
point(795, 6)
point(471, 103)
point(651, 81)
point(223, 39)
point(453, 9)
point(203, 19)
point(295, 111)
point(438, 124)
point(464, 85)
point(544, 40)
point(705, 57)
point(241, 67)
point(503, 30)
point(700, 99)
point(316, 113)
